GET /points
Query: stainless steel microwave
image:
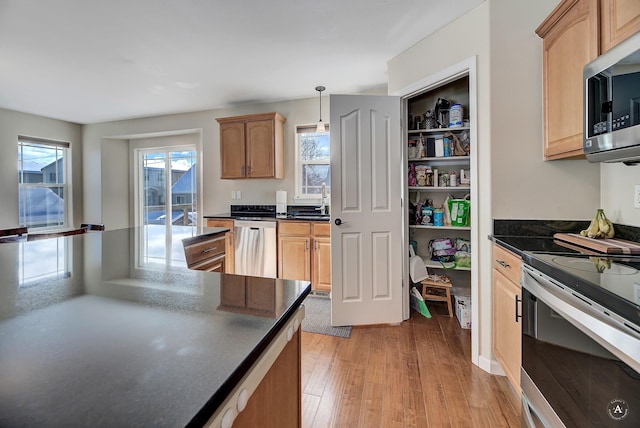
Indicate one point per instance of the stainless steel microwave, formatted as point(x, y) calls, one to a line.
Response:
point(612, 104)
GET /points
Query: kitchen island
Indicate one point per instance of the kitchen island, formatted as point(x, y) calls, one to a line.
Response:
point(112, 329)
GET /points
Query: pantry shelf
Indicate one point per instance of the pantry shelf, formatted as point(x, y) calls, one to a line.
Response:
point(437, 130)
point(442, 159)
point(441, 189)
point(423, 226)
point(444, 265)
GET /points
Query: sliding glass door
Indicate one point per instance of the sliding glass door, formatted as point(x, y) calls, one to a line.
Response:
point(167, 201)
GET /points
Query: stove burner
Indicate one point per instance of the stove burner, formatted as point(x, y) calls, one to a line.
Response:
point(252, 212)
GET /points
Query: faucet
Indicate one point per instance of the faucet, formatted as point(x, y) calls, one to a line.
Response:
point(323, 208)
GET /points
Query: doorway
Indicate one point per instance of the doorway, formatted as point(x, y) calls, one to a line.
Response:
point(166, 202)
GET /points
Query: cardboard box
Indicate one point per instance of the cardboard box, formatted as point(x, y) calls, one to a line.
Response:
point(463, 310)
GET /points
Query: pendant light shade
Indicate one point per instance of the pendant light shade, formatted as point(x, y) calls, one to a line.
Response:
point(320, 127)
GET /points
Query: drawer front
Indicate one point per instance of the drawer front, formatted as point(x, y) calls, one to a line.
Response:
point(507, 263)
point(204, 250)
point(215, 222)
point(293, 228)
point(215, 264)
point(321, 229)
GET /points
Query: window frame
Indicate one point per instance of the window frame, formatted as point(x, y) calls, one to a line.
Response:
point(66, 186)
point(301, 129)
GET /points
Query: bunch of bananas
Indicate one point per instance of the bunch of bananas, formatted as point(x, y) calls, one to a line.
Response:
point(600, 264)
point(600, 227)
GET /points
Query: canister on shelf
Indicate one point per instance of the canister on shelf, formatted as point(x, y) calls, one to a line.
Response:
point(438, 217)
point(427, 215)
point(453, 179)
point(455, 116)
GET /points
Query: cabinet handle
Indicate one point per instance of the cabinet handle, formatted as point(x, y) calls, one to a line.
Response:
point(518, 300)
point(306, 245)
point(502, 263)
point(248, 170)
point(315, 245)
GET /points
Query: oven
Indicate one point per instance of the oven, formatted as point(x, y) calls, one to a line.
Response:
point(580, 341)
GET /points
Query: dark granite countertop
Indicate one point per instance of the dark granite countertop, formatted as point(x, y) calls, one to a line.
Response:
point(293, 217)
point(537, 235)
point(572, 265)
point(533, 235)
point(111, 329)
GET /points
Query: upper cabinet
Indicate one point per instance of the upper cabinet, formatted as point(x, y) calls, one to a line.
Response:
point(575, 33)
point(252, 146)
point(570, 40)
point(619, 20)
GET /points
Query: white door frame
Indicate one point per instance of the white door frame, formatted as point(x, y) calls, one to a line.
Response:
point(466, 67)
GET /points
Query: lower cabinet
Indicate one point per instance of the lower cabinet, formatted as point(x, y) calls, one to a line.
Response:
point(229, 244)
point(304, 253)
point(276, 401)
point(206, 253)
point(294, 250)
point(251, 295)
point(270, 392)
point(321, 266)
point(507, 310)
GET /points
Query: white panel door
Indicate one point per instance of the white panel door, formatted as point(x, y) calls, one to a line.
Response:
point(366, 212)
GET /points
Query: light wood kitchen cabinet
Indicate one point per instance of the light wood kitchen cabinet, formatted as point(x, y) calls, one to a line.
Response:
point(252, 146)
point(277, 401)
point(507, 310)
point(205, 252)
point(251, 295)
point(229, 245)
point(294, 250)
point(321, 266)
point(619, 19)
point(571, 37)
point(304, 253)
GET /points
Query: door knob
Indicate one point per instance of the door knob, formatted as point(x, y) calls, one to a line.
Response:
point(338, 222)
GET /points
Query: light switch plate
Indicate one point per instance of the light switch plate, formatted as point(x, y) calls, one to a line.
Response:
point(636, 196)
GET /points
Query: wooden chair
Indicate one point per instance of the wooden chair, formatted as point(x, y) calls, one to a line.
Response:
point(13, 234)
point(89, 227)
point(438, 289)
point(46, 235)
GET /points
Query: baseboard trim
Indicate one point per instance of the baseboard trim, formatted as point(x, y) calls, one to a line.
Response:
point(490, 365)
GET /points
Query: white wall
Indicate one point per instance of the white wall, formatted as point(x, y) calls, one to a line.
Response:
point(12, 124)
point(470, 37)
point(216, 192)
point(617, 192)
point(524, 186)
point(514, 180)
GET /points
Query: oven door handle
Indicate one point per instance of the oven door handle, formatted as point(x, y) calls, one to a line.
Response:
point(624, 344)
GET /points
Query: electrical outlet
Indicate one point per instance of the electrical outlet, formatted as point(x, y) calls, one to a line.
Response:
point(636, 196)
point(238, 194)
point(233, 194)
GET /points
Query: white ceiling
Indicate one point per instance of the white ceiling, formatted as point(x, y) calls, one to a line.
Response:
point(89, 61)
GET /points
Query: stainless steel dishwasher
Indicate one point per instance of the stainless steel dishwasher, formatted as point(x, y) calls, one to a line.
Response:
point(255, 248)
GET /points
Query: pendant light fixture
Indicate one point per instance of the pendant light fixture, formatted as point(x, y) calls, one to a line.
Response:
point(320, 127)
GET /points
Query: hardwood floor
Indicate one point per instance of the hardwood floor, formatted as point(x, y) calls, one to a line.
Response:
point(418, 374)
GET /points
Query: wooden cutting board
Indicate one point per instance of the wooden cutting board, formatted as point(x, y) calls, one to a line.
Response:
point(609, 246)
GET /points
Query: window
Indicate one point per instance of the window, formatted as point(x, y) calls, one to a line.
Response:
point(312, 162)
point(42, 182)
